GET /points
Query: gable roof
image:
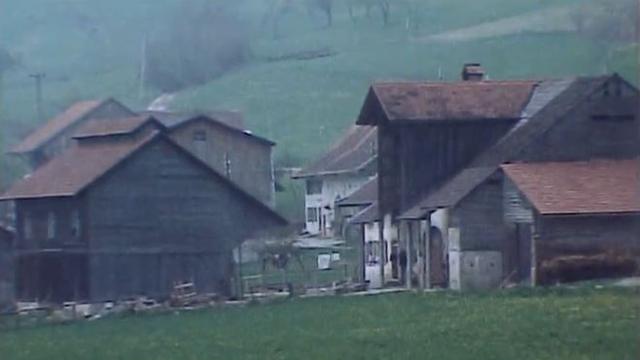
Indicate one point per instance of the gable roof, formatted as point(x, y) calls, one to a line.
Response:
point(82, 165)
point(439, 101)
point(58, 124)
point(367, 194)
point(229, 120)
point(368, 215)
point(122, 126)
point(74, 169)
point(551, 100)
point(589, 187)
point(353, 152)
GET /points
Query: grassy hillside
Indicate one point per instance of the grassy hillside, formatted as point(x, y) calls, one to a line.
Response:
point(517, 324)
point(93, 49)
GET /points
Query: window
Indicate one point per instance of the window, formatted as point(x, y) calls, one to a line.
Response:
point(199, 135)
point(75, 224)
point(314, 187)
point(312, 214)
point(200, 143)
point(51, 225)
point(28, 226)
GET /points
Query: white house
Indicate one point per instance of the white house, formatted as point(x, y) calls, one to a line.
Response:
point(348, 165)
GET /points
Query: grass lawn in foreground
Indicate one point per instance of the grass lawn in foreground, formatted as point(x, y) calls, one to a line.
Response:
point(556, 323)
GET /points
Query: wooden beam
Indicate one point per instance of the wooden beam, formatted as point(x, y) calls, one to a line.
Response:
point(427, 253)
point(383, 254)
point(408, 250)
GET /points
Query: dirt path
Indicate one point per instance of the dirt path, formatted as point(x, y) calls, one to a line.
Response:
point(547, 20)
point(161, 103)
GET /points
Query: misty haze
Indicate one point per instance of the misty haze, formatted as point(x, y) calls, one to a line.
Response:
point(319, 179)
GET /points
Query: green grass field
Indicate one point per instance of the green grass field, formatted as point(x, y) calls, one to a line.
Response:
point(516, 324)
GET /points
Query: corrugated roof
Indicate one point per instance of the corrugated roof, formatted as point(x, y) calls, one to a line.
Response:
point(551, 100)
point(230, 120)
point(465, 100)
point(99, 127)
point(56, 125)
point(367, 194)
point(355, 150)
point(590, 187)
point(74, 169)
point(173, 119)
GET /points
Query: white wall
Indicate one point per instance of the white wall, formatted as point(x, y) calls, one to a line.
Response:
point(334, 188)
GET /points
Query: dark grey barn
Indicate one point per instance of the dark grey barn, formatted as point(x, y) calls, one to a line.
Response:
point(127, 213)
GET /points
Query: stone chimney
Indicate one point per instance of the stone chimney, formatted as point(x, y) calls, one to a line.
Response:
point(472, 72)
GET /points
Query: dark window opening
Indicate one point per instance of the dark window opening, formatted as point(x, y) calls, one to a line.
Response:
point(312, 215)
point(314, 187)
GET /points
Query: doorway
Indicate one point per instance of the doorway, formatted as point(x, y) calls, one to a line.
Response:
point(439, 265)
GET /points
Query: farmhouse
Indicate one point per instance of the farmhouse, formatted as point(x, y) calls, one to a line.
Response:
point(349, 164)
point(56, 134)
point(443, 197)
point(126, 211)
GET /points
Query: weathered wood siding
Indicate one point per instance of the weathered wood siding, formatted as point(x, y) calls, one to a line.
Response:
point(249, 161)
point(479, 218)
point(158, 219)
point(6, 270)
point(582, 136)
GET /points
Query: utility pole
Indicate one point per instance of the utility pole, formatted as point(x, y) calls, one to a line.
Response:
point(38, 78)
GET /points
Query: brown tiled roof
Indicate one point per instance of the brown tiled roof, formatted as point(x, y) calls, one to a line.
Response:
point(551, 100)
point(100, 127)
point(54, 126)
point(590, 187)
point(465, 100)
point(354, 151)
point(74, 169)
point(367, 194)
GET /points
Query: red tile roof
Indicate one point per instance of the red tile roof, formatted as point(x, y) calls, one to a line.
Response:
point(464, 100)
point(75, 169)
point(593, 187)
point(54, 126)
point(353, 152)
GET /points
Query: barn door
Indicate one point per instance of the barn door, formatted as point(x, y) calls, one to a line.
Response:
point(524, 251)
point(438, 264)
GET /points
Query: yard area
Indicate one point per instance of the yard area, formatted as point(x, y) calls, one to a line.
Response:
point(555, 323)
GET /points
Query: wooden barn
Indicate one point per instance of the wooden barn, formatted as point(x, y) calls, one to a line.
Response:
point(345, 167)
point(128, 212)
point(221, 140)
point(50, 139)
point(441, 145)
